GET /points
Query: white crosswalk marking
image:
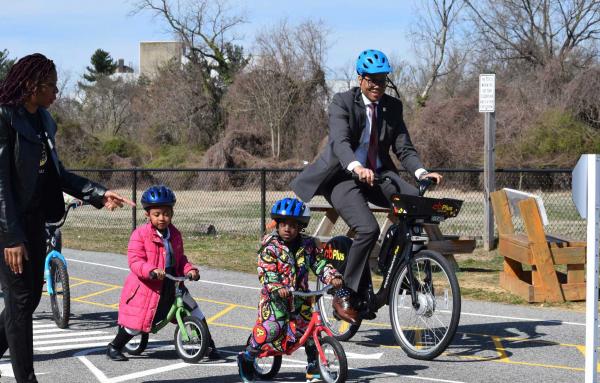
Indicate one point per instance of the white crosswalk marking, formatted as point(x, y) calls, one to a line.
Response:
point(48, 337)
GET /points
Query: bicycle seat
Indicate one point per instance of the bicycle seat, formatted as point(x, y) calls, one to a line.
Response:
point(431, 210)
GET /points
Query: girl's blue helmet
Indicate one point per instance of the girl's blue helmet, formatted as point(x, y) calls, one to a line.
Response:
point(158, 195)
point(372, 61)
point(291, 208)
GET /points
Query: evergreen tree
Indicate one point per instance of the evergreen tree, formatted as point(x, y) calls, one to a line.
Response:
point(102, 65)
point(5, 64)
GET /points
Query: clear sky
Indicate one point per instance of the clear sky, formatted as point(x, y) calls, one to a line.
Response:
point(69, 31)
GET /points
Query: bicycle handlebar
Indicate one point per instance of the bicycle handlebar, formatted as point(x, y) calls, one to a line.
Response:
point(423, 183)
point(312, 293)
point(70, 206)
point(172, 277)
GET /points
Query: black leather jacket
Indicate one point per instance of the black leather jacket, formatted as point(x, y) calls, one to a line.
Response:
point(20, 152)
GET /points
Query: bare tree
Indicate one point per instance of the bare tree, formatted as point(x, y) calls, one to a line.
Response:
point(284, 85)
point(106, 106)
point(206, 29)
point(538, 31)
point(433, 38)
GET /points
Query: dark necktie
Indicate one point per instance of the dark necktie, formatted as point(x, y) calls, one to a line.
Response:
point(373, 139)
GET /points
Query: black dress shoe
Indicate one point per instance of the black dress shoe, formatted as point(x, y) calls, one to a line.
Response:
point(344, 309)
point(114, 354)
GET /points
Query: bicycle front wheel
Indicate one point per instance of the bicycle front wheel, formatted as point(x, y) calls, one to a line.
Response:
point(61, 299)
point(335, 367)
point(424, 329)
point(192, 350)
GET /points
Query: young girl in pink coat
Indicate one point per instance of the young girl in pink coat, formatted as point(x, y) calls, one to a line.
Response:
point(155, 247)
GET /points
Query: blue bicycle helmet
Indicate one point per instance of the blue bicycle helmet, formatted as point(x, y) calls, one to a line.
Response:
point(158, 195)
point(372, 61)
point(291, 208)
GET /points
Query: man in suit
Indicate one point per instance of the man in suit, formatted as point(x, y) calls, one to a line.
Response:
point(364, 123)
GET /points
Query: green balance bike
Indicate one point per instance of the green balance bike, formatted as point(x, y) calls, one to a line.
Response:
point(191, 337)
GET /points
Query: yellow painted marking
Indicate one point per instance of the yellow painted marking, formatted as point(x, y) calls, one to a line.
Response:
point(581, 349)
point(232, 326)
point(500, 349)
point(96, 293)
point(344, 326)
point(96, 282)
point(418, 339)
point(78, 284)
point(225, 303)
point(94, 303)
point(221, 313)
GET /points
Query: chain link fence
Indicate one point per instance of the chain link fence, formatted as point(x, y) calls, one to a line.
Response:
point(237, 201)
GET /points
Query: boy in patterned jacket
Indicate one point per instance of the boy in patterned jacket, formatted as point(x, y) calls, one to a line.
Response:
point(284, 260)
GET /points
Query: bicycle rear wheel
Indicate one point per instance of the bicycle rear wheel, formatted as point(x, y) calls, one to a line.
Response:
point(425, 331)
point(340, 329)
point(61, 299)
point(193, 350)
point(268, 367)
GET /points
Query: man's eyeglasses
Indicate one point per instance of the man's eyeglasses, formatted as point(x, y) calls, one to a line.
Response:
point(372, 82)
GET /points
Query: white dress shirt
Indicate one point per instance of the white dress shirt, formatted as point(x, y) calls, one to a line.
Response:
point(362, 149)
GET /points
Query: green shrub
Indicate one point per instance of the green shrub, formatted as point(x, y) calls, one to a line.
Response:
point(121, 147)
point(558, 138)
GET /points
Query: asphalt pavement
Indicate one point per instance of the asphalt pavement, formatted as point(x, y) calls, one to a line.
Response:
point(494, 342)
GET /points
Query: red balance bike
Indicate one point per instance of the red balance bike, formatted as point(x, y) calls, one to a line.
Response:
point(332, 358)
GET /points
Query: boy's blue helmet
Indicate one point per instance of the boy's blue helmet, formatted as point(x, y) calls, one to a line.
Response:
point(372, 61)
point(291, 208)
point(158, 195)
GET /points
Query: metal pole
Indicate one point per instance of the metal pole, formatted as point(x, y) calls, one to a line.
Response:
point(263, 200)
point(489, 179)
point(591, 294)
point(134, 199)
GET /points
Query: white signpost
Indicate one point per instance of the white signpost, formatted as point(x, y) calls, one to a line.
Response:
point(586, 195)
point(487, 105)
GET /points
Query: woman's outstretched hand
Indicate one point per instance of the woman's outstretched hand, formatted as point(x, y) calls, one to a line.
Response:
point(113, 200)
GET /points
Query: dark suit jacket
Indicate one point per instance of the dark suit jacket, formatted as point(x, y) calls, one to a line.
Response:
point(347, 119)
point(20, 153)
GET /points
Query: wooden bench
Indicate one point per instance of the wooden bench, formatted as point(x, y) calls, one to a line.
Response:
point(448, 245)
point(540, 253)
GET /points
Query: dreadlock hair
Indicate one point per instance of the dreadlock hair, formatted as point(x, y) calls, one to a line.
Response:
point(23, 77)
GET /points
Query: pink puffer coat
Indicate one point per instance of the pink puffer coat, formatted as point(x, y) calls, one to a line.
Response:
point(140, 295)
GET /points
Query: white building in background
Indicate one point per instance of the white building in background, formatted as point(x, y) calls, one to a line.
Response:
point(154, 54)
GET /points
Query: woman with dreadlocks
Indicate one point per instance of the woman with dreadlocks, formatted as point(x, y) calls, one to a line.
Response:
point(32, 180)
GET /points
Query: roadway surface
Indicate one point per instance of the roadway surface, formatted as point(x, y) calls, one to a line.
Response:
point(494, 343)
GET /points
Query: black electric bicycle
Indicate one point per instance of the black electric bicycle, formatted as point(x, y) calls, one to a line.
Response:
point(419, 285)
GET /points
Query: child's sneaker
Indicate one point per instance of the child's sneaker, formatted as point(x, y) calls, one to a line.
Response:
point(246, 368)
point(313, 374)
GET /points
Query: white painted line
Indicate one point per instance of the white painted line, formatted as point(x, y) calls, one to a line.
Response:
point(97, 264)
point(72, 340)
point(48, 331)
point(125, 269)
point(36, 326)
point(72, 346)
point(258, 288)
point(70, 334)
point(523, 319)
